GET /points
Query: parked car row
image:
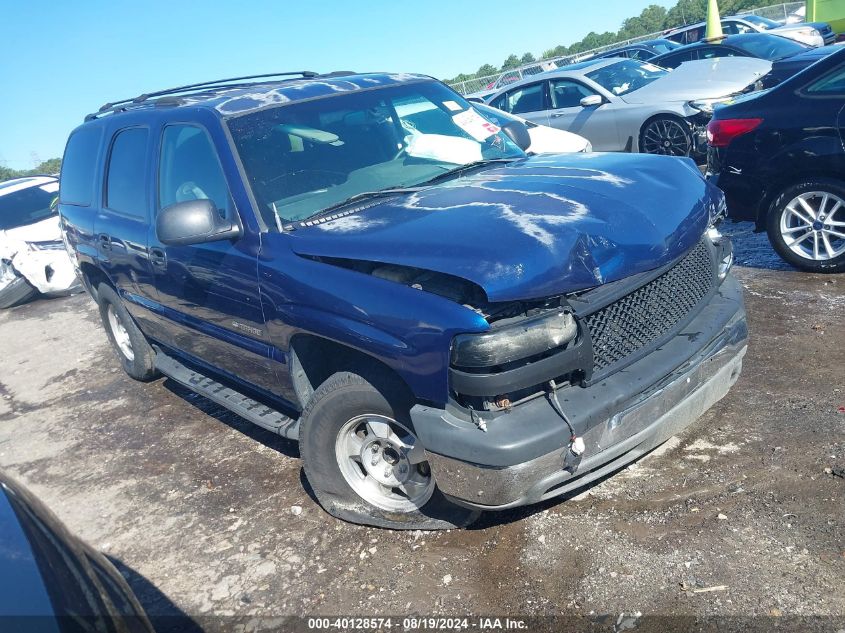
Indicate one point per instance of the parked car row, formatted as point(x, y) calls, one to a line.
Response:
point(629, 105)
point(643, 51)
point(812, 34)
point(787, 56)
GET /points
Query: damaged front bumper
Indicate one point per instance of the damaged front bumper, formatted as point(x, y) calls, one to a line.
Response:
point(46, 266)
point(520, 458)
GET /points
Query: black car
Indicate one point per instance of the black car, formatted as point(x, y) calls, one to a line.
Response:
point(52, 581)
point(643, 51)
point(788, 56)
point(778, 155)
point(784, 68)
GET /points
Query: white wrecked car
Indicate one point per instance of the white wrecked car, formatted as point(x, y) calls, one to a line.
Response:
point(33, 258)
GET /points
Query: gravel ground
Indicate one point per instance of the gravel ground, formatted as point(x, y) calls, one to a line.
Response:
point(206, 515)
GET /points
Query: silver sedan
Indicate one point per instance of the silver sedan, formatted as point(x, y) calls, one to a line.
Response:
point(633, 106)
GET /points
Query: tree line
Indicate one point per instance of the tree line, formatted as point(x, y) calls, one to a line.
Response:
point(653, 19)
point(51, 166)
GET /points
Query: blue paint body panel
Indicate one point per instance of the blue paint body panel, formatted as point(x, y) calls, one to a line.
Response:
point(537, 227)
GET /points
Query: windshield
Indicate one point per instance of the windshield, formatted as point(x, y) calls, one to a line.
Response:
point(626, 76)
point(766, 23)
point(308, 156)
point(26, 206)
point(771, 47)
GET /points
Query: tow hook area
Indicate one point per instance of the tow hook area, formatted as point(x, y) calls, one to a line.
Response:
point(576, 448)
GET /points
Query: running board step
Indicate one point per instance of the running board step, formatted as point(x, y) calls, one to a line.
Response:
point(257, 413)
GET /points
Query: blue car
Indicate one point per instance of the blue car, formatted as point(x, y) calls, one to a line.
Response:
point(643, 51)
point(365, 264)
point(52, 581)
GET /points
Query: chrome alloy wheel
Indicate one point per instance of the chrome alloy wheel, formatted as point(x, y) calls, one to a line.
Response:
point(667, 136)
point(121, 336)
point(812, 225)
point(384, 463)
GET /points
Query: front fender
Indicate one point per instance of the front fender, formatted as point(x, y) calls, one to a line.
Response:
point(408, 330)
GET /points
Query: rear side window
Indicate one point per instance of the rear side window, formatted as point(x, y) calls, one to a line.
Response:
point(190, 170)
point(126, 190)
point(79, 166)
point(691, 36)
point(526, 99)
point(832, 84)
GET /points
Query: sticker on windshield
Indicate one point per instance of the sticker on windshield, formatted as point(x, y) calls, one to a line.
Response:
point(475, 125)
point(453, 106)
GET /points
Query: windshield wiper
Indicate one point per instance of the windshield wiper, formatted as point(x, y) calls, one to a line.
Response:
point(358, 197)
point(467, 167)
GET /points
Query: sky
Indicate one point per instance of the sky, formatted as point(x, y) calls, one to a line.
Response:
point(62, 60)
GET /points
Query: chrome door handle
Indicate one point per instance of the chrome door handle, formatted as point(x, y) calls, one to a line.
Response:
point(158, 257)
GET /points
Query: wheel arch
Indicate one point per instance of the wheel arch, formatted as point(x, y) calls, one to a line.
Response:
point(92, 277)
point(314, 358)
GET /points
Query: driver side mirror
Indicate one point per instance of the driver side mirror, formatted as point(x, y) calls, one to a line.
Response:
point(518, 133)
point(591, 101)
point(193, 222)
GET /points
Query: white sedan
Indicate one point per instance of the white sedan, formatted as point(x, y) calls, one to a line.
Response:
point(544, 139)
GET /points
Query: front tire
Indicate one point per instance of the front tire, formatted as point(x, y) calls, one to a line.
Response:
point(134, 352)
point(364, 462)
point(666, 135)
point(806, 225)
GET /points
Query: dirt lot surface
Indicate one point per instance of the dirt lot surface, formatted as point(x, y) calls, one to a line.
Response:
point(207, 516)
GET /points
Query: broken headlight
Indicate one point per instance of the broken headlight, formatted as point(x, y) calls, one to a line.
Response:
point(524, 339)
point(707, 106)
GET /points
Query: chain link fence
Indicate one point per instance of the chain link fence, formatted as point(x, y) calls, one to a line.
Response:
point(779, 12)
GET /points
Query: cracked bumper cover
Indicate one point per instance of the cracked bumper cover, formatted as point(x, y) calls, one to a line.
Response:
point(520, 459)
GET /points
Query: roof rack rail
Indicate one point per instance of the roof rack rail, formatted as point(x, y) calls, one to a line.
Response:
point(112, 106)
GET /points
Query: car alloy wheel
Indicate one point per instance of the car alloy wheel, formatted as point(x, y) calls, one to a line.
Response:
point(382, 461)
point(812, 225)
point(666, 136)
point(121, 336)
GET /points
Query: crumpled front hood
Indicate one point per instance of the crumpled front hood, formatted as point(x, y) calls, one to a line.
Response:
point(702, 79)
point(537, 227)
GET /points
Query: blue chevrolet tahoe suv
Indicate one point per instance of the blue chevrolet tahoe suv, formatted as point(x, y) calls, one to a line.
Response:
point(365, 264)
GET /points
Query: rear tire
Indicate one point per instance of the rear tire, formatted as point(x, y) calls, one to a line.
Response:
point(364, 463)
point(18, 291)
point(806, 225)
point(130, 344)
